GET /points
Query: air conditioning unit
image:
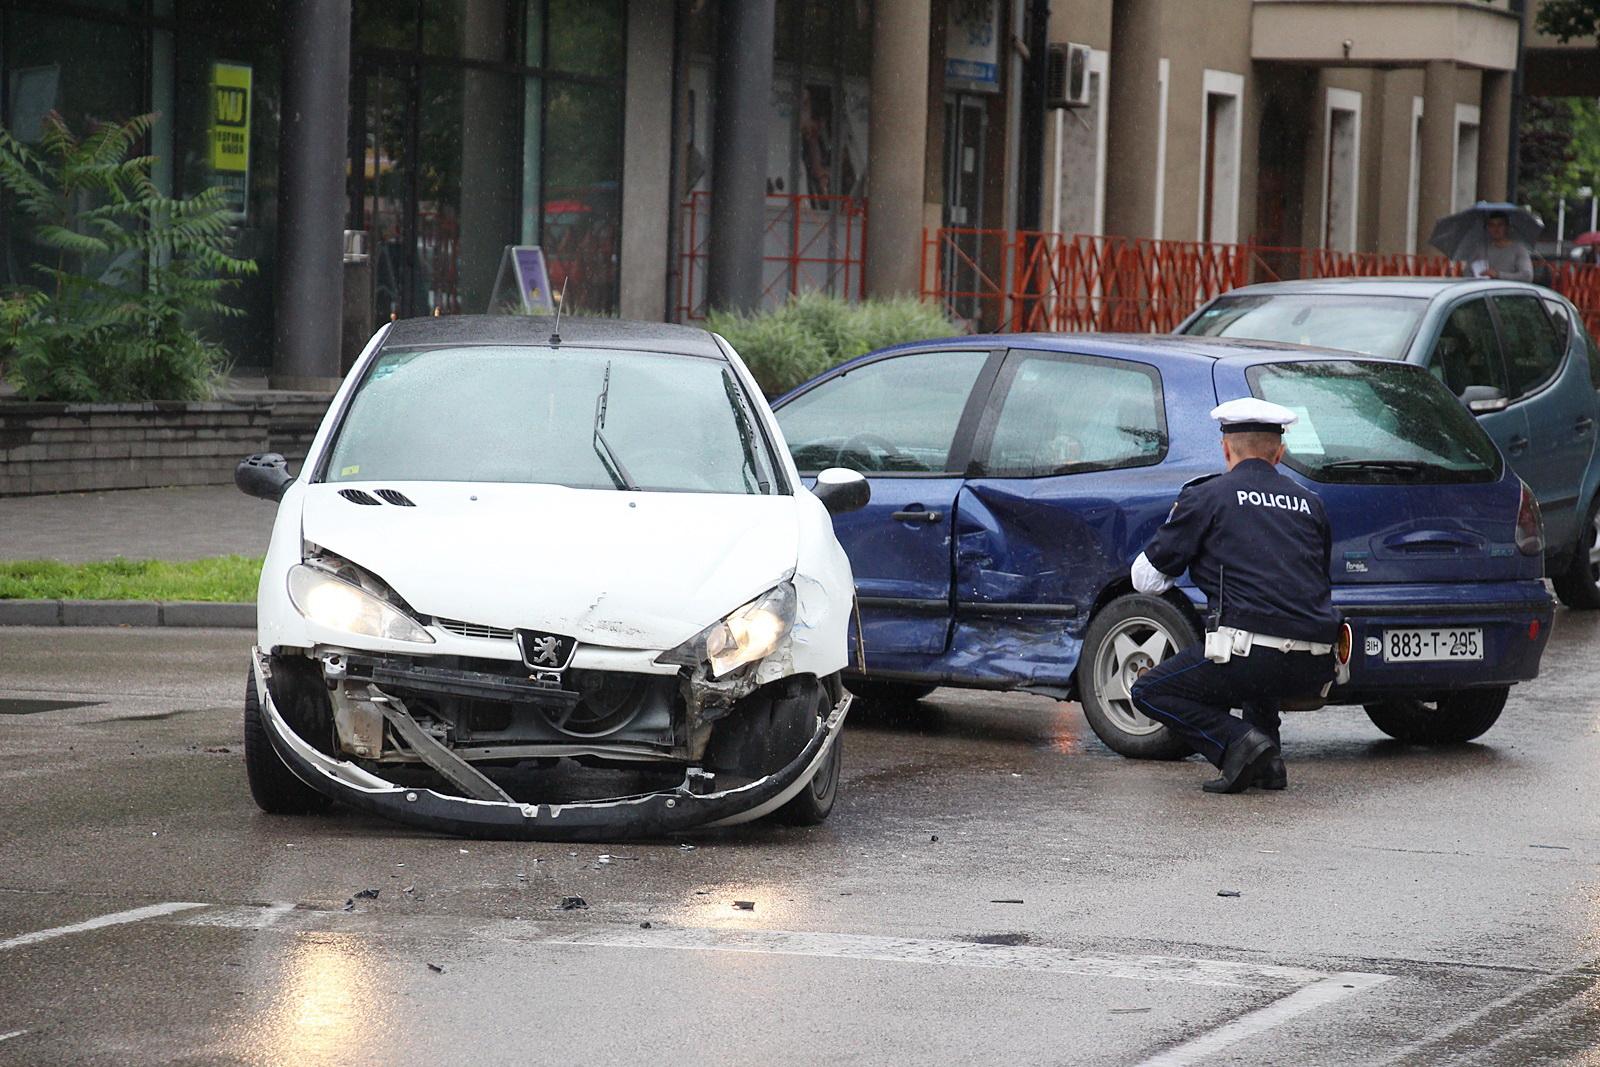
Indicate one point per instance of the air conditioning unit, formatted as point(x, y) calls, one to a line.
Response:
point(1067, 76)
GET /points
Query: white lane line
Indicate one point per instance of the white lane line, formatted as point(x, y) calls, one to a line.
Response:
point(116, 918)
point(1312, 997)
point(1037, 959)
point(12, 1034)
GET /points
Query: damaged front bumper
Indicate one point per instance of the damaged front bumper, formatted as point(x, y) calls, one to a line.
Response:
point(688, 806)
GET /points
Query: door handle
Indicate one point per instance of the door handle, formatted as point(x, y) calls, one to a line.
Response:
point(918, 515)
point(1517, 445)
point(1583, 425)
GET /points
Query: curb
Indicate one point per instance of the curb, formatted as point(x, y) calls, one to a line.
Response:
point(191, 613)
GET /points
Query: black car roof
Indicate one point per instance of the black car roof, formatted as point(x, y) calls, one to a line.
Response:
point(445, 330)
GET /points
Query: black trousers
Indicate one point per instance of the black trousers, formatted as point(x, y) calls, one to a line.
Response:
point(1196, 697)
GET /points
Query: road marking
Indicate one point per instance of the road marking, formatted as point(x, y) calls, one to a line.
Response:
point(12, 1034)
point(116, 918)
point(1499, 1020)
point(1037, 959)
point(1312, 997)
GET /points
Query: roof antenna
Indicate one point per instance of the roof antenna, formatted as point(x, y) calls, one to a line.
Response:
point(555, 331)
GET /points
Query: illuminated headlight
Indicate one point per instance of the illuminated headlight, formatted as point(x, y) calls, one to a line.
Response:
point(745, 635)
point(338, 605)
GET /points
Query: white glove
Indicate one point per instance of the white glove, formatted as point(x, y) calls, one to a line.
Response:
point(1148, 580)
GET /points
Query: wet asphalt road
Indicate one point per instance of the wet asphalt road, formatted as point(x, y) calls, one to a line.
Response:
point(1397, 904)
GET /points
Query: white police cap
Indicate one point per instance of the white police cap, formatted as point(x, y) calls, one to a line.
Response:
point(1252, 415)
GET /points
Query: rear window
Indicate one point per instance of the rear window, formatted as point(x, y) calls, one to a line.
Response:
point(1372, 325)
point(1375, 423)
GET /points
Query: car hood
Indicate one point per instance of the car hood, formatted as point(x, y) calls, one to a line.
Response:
point(625, 569)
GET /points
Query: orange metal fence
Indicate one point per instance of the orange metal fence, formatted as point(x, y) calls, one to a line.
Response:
point(1016, 281)
point(811, 244)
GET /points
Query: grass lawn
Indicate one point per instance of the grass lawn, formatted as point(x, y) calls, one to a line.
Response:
point(230, 579)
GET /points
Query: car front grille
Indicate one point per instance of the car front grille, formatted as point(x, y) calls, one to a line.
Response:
point(473, 629)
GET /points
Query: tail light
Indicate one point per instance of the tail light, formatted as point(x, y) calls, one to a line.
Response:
point(1530, 526)
point(1346, 642)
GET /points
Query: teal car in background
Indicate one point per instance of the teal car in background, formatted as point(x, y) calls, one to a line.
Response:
point(1516, 355)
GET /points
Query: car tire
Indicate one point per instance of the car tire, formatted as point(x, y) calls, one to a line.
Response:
point(273, 785)
point(1579, 585)
point(813, 804)
point(1106, 668)
point(887, 694)
point(1453, 718)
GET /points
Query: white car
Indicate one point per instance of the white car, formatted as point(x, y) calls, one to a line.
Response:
point(507, 549)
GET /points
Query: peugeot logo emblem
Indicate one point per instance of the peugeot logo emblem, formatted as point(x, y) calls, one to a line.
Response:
point(544, 652)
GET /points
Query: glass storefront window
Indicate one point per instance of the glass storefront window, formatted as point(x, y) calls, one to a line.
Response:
point(582, 197)
point(585, 37)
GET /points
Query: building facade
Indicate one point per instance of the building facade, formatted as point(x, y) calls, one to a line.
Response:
point(671, 155)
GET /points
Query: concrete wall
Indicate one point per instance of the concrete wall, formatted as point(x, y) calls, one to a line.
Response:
point(74, 448)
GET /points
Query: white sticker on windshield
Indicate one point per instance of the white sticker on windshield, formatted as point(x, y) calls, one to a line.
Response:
point(1301, 438)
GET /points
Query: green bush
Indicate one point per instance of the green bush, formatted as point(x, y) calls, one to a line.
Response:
point(133, 272)
point(812, 332)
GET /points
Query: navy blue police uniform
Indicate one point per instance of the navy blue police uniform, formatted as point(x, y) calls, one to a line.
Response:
point(1258, 545)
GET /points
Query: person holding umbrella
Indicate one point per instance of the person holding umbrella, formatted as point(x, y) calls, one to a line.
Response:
point(1503, 257)
point(1493, 237)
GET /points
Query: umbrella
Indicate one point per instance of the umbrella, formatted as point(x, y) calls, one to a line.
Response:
point(1462, 236)
point(1590, 238)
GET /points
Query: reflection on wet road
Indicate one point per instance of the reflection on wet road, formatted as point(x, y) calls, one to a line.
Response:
point(994, 886)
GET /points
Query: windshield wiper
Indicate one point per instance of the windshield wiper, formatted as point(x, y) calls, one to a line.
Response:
point(602, 447)
point(747, 434)
point(1399, 466)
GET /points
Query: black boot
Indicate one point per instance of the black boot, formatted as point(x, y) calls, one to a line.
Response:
point(1243, 763)
point(1276, 776)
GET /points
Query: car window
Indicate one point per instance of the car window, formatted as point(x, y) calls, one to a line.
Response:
point(502, 413)
point(1372, 325)
point(1066, 414)
point(1375, 422)
point(1559, 317)
point(1533, 350)
point(894, 415)
point(1467, 352)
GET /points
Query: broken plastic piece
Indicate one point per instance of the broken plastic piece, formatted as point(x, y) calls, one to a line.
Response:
point(745, 905)
point(367, 894)
point(435, 968)
point(573, 903)
point(1228, 893)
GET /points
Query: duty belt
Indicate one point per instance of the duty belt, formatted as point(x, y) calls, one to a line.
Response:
point(1243, 641)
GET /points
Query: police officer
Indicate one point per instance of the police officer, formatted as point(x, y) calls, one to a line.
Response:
point(1257, 544)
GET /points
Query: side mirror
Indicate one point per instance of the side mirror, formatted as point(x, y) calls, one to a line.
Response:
point(841, 489)
point(1481, 399)
point(265, 475)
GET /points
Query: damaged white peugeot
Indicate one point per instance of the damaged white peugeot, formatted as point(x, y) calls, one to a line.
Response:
point(512, 552)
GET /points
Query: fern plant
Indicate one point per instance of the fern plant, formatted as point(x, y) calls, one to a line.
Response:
point(132, 274)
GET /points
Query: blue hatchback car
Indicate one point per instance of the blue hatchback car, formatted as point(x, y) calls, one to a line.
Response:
point(1014, 479)
point(1517, 355)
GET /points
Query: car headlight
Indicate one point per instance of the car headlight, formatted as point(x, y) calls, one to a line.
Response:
point(744, 635)
point(339, 605)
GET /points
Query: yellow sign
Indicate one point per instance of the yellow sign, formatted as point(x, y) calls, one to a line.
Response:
point(230, 130)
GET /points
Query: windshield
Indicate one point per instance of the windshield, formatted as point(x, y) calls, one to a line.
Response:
point(1375, 422)
point(587, 418)
point(1372, 325)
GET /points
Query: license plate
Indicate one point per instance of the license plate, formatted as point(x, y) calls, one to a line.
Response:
point(1420, 646)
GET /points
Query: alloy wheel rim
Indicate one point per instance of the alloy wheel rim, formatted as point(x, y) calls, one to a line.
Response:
point(1132, 647)
point(1594, 548)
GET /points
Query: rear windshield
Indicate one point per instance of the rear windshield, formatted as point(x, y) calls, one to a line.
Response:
point(1372, 325)
point(1389, 423)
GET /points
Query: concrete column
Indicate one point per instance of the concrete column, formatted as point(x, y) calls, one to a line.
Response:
point(1494, 135)
point(311, 165)
point(647, 161)
point(1132, 119)
point(491, 148)
point(739, 156)
point(1435, 194)
point(898, 146)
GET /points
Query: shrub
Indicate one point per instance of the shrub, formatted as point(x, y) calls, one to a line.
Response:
point(134, 272)
point(812, 332)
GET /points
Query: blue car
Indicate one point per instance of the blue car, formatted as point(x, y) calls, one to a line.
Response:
point(1517, 355)
point(1014, 479)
